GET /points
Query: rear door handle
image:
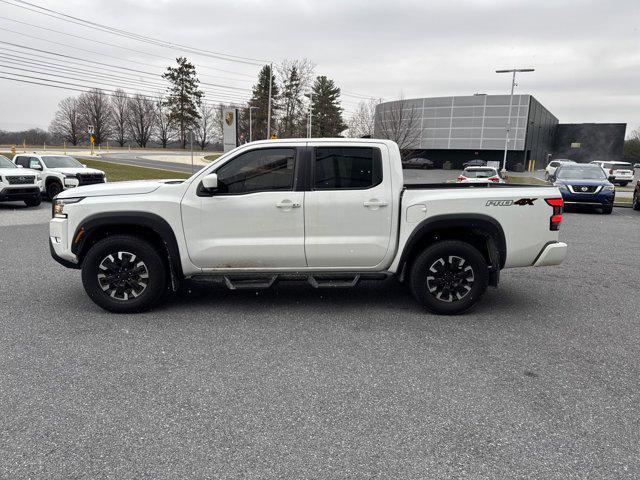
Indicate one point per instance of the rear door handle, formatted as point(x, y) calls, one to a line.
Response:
point(374, 203)
point(287, 204)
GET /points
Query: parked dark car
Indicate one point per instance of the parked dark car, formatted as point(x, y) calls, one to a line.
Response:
point(585, 184)
point(422, 163)
point(636, 196)
point(475, 163)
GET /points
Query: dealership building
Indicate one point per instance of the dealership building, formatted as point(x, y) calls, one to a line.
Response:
point(461, 128)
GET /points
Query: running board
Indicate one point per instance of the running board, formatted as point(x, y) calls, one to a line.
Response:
point(239, 283)
point(328, 281)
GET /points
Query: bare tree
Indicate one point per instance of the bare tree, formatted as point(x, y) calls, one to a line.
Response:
point(398, 121)
point(141, 119)
point(206, 125)
point(165, 128)
point(95, 109)
point(362, 121)
point(67, 124)
point(119, 113)
point(294, 77)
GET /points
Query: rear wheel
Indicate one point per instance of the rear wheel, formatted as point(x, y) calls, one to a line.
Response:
point(33, 201)
point(53, 189)
point(124, 274)
point(636, 201)
point(449, 277)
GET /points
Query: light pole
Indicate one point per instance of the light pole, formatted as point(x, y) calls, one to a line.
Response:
point(251, 123)
point(513, 84)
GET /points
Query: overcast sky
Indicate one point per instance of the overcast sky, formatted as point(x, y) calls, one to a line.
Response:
point(586, 53)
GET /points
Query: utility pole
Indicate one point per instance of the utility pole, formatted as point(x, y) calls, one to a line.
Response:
point(310, 117)
point(269, 106)
point(251, 123)
point(191, 137)
point(513, 85)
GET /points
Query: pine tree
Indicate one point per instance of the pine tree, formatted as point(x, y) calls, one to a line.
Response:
point(184, 97)
point(260, 99)
point(325, 109)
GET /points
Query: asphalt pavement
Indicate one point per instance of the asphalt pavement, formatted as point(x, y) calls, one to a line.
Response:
point(541, 380)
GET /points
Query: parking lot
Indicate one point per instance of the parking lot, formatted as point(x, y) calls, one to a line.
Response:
point(542, 380)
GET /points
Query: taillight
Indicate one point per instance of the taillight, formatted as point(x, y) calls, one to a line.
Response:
point(556, 218)
point(461, 178)
point(494, 179)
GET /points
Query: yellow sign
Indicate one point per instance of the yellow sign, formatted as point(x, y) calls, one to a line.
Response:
point(91, 139)
point(274, 136)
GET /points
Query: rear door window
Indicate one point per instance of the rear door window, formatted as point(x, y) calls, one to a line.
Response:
point(347, 168)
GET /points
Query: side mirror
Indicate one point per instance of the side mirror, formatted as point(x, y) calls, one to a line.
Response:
point(210, 182)
point(84, 165)
point(19, 166)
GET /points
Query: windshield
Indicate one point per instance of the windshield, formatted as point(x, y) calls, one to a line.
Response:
point(479, 173)
point(5, 163)
point(581, 172)
point(61, 161)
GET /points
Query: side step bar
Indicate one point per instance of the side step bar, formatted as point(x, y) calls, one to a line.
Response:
point(316, 280)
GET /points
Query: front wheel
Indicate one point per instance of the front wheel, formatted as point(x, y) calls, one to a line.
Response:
point(636, 201)
point(53, 189)
point(624, 184)
point(607, 209)
point(449, 277)
point(124, 274)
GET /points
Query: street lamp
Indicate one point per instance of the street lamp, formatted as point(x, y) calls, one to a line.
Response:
point(251, 122)
point(513, 84)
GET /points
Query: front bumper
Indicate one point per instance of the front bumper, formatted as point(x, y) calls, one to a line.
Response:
point(552, 254)
point(59, 243)
point(14, 194)
point(598, 199)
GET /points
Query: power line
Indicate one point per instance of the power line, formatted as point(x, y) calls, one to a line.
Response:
point(102, 54)
point(48, 65)
point(93, 62)
point(83, 88)
point(135, 36)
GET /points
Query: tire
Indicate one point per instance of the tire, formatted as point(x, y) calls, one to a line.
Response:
point(136, 287)
point(471, 284)
point(33, 201)
point(607, 209)
point(53, 189)
point(624, 184)
point(636, 201)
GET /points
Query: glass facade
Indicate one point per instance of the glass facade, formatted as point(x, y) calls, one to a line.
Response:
point(475, 122)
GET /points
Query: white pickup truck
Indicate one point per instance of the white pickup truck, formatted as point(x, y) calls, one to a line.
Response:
point(327, 211)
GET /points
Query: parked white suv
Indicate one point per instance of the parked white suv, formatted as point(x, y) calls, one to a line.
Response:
point(19, 184)
point(617, 172)
point(480, 175)
point(553, 166)
point(59, 172)
point(327, 211)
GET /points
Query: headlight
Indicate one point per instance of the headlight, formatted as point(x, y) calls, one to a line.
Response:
point(608, 188)
point(70, 175)
point(57, 206)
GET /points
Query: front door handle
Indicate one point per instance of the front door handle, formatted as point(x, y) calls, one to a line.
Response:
point(374, 204)
point(287, 204)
